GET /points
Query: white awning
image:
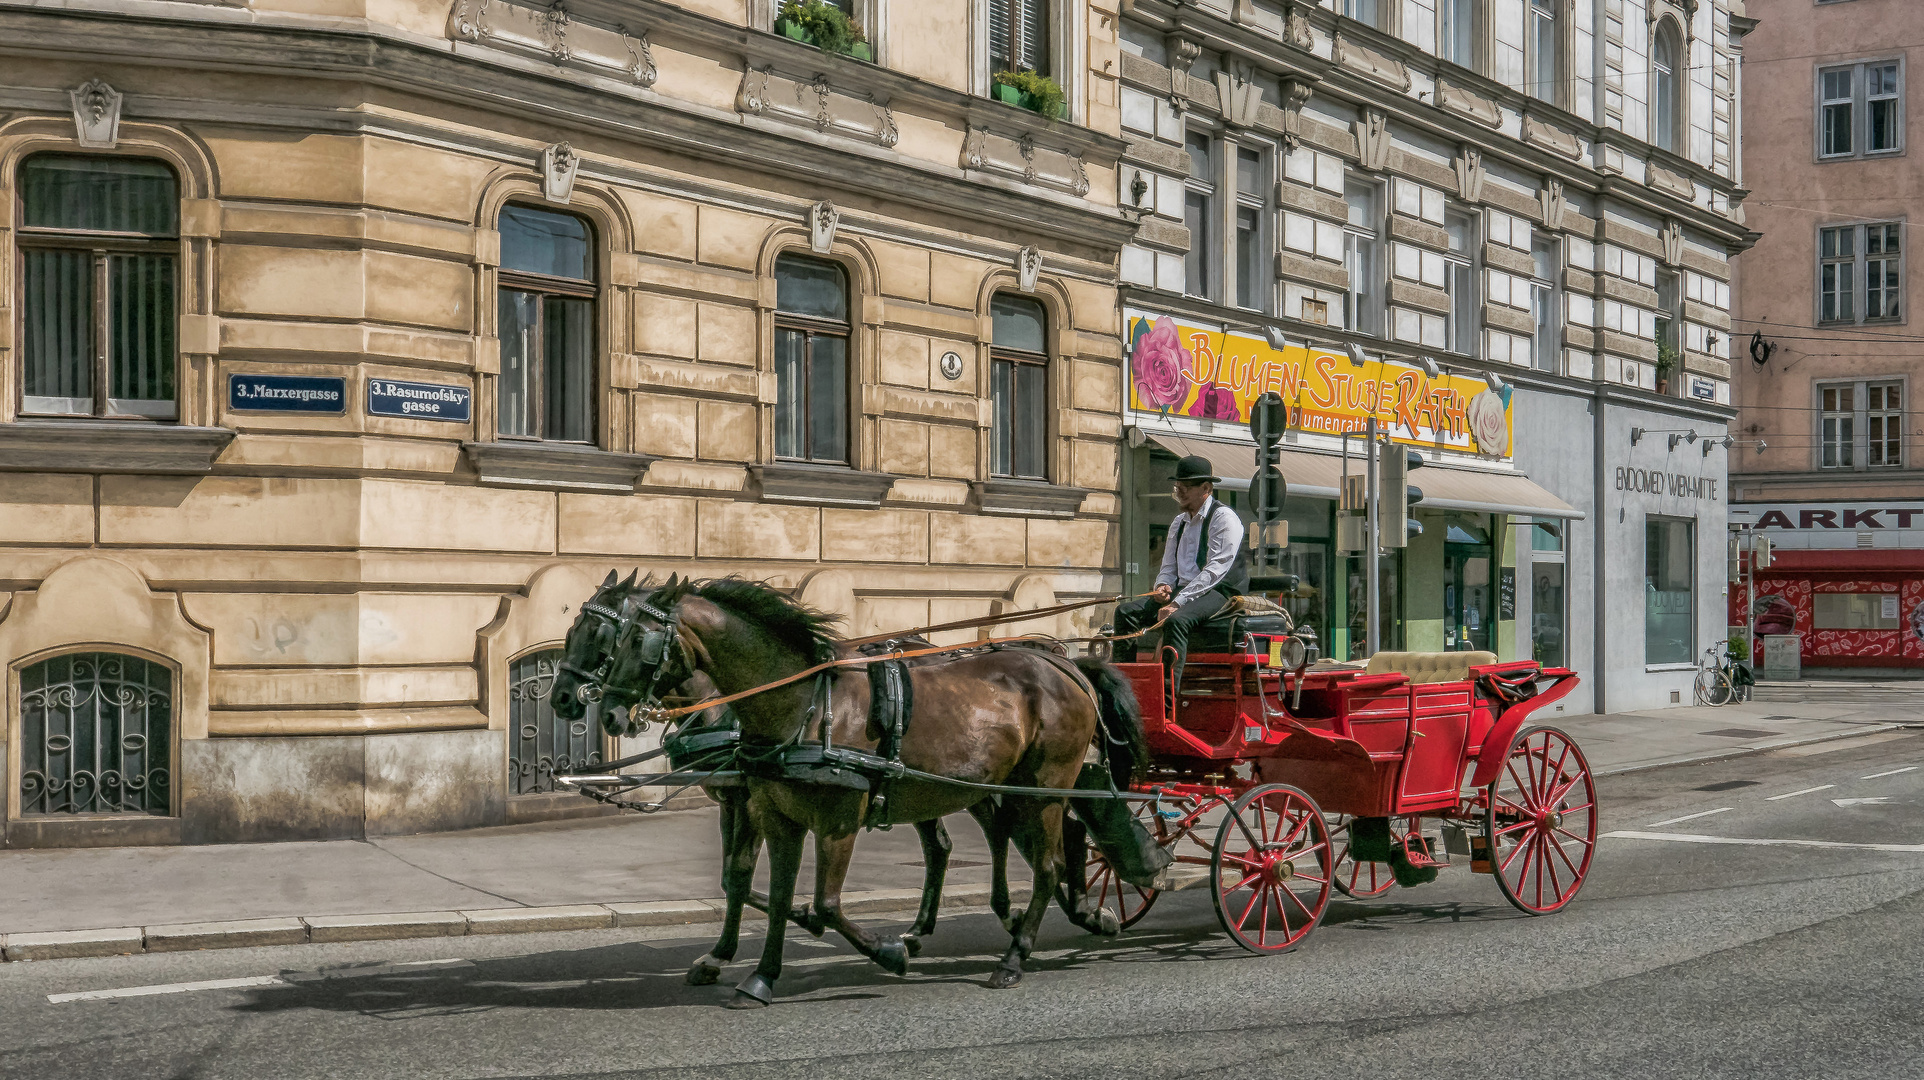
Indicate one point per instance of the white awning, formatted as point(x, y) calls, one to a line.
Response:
point(1320, 476)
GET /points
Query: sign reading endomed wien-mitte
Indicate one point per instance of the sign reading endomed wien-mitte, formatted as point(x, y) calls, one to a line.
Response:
point(418, 401)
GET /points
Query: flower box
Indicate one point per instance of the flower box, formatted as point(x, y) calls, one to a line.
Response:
point(789, 28)
point(1021, 99)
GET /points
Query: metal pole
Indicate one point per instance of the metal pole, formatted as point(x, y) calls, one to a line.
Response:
point(1372, 623)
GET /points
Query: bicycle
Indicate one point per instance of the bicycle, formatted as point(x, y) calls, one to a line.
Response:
point(1722, 680)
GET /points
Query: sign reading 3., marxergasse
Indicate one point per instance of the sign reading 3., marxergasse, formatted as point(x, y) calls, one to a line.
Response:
point(418, 401)
point(287, 393)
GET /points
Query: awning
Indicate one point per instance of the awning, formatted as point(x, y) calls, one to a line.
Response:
point(1321, 476)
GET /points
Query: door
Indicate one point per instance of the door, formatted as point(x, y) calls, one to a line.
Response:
point(1469, 586)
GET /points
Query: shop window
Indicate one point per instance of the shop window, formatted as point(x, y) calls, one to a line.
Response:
point(1860, 425)
point(1019, 385)
point(1860, 110)
point(1019, 35)
point(1872, 254)
point(1390, 622)
point(99, 301)
point(1202, 267)
point(1854, 611)
point(1459, 280)
point(811, 360)
point(1669, 588)
point(1362, 243)
point(541, 745)
point(1469, 583)
point(545, 314)
point(1666, 50)
point(96, 735)
point(1549, 614)
point(1546, 350)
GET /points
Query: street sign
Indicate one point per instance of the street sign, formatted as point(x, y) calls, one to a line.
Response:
point(419, 401)
point(287, 393)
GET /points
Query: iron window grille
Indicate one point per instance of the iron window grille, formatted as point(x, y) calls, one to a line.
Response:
point(545, 313)
point(541, 745)
point(1860, 110)
point(1019, 388)
point(96, 735)
point(1019, 35)
point(811, 360)
point(1871, 254)
point(99, 296)
point(1861, 425)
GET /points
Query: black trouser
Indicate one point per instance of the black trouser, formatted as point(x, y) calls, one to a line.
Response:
point(1133, 615)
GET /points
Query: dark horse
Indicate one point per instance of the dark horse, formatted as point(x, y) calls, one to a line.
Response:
point(1006, 715)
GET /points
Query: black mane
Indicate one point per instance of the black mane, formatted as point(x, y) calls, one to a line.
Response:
point(801, 627)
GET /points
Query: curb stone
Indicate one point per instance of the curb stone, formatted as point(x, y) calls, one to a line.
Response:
point(182, 937)
point(412, 924)
point(63, 944)
point(530, 920)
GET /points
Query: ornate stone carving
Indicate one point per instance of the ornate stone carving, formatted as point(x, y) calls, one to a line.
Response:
point(1367, 61)
point(559, 164)
point(553, 34)
point(1295, 95)
point(1296, 30)
point(815, 103)
point(1671, 182)
point(1240, 93)
point(823, 217)
point(1465, 102)
point(96, 114)
point(1553, 202)
point(1469, 173)
point(1373, 140)
point(1022, 158)
point(1028, 266)
point(1182, 56)
point(1540, 132)
point(1671, 237)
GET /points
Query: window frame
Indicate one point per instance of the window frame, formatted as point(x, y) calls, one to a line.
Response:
point(1353, 237)
point(544, 286)
point(812, 327)
point(1690, 591)
point(1206, 254)
point(1017, 8)
point(100, 247)
point(1856, 444)
point(1463, 270)
point(1677, 114)
point(1859, 261)
point(1476, 61)
point(1859, 103)
point(999, 355)
point(1549, 316)
point(1380, 8)
point(1263, 202)
point(1533, 59)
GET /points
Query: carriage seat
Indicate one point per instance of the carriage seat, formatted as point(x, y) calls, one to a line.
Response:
point(1242, 615)
point(1430, 667)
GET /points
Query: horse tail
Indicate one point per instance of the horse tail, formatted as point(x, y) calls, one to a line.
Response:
point(1120, 725)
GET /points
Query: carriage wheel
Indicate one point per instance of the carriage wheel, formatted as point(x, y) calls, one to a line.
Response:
point(1130, 902)
point(1541, 821)
point(1271, 868)
point(1361, 879)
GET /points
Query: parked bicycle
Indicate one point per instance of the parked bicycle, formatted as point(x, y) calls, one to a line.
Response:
point(1723, 679)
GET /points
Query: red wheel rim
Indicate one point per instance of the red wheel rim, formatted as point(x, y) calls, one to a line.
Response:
point(1129, 902)
point(1362, 880)
point(1270, 872)
point(1541, 821)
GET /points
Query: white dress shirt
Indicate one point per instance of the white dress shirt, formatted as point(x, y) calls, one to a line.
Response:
point(1179, 570)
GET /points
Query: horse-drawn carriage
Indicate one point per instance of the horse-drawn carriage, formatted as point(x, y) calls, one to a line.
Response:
point(1311, 779)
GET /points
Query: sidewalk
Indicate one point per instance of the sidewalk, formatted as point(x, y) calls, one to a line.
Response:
point(628, 871)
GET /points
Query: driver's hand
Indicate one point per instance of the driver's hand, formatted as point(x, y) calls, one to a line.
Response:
point(1167, 610)
point(1162, 592)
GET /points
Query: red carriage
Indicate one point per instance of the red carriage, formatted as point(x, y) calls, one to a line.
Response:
point(1277, 783)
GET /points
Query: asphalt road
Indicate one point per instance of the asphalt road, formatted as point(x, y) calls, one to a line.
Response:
point(1682, 957)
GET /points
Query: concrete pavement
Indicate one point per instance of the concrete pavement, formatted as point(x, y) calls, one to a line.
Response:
point(629, 871)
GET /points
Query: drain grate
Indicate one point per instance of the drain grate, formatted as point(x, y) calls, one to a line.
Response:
point(1727, 785)
point(1740, 733)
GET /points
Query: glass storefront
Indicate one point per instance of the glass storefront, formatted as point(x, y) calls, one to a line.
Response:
point(1390, 566)
point(1469, 590)
point(1669, 585)
point(1547, 607)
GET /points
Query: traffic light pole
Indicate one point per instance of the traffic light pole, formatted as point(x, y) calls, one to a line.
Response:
point(1372, 544)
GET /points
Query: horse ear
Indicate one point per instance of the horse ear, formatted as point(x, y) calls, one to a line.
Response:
point(609, 581)
point(673, 580)
point(629, 582)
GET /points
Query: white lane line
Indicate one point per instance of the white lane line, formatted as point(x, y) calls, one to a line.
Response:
point(1692, 838)
point(1687, 817)
point(1893, 772)
point(1874, 800)
point(1806, 791)
point(167, 988)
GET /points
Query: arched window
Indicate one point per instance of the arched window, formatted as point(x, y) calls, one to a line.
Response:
point(811, 360)
point(1019, 387)
point(546, 319)
point(96, 733)
point(541, 744)
point(99, 301)
point(1666, 54)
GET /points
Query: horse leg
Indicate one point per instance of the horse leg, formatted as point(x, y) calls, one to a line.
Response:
point(1040, 839)
point(935, 861)
point(832, 855)
point(741, 843)
point(993, 831)
point(1072, 892)
point(784, 864)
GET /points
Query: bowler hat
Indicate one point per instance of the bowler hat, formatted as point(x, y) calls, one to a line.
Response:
point(1195, 469)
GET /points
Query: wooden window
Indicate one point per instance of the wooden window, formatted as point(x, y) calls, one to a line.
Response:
point(546, 320)
point(811, 360)
point(1019, 35)
point(1861, 425)
point(1541, 79)
point(99, 300)
point(1860, 109)
point(1019, 387)
point(1872, 254)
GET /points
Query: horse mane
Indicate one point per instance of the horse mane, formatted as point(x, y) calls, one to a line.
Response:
point(802, 628)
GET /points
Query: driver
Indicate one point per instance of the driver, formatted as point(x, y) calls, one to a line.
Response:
point(1204, 565)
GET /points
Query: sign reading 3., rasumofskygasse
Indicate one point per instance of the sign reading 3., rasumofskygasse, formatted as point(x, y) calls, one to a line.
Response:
point(418, 401)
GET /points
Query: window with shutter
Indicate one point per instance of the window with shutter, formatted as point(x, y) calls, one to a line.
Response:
point(1019, 35)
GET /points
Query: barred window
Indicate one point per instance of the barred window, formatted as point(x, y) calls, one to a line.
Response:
point(96, 735)
point(99, 302)
point(546, 319)
point(541, 745)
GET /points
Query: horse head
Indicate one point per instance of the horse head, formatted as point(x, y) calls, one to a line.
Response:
point(588, 652)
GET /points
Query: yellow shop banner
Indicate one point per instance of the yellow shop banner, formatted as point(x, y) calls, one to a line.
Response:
point(1181, 370)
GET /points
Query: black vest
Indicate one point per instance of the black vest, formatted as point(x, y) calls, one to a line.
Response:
point(1236, 581)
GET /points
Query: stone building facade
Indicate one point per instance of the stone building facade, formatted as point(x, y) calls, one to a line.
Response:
point(345, 345)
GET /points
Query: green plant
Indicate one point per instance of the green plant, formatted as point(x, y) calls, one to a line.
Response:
point(1666, 358)
point(826, 25)
point(1043, 90)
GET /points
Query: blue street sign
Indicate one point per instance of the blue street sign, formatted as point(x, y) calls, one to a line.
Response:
point(287, 393)
point(418, 401)
point(1703, 388)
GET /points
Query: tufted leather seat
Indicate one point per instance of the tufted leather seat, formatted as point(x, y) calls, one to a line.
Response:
point(1430, 667)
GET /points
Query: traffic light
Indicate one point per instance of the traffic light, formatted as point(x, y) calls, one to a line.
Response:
point(1397, 498)
point(1268, 418)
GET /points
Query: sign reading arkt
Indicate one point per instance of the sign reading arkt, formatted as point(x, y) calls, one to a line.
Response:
point(418, 401)
point(1677, 485)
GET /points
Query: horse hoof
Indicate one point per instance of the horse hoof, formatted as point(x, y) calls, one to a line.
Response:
point(913, 944)
point(705, 972)
point(893, 956)
point(1107, 924)
point(743, 1001)
point(753, 992)
point(1004, 978)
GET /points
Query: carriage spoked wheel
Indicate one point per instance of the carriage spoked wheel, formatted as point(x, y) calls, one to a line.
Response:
point(1129, 902)
point(1541, 821)
point(1270, 871)
point(1360, 878)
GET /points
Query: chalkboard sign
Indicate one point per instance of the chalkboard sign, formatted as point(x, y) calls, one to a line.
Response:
point(1506, 593)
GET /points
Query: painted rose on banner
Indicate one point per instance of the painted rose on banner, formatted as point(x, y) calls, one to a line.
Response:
point(1490, 423)
point(1157, 365)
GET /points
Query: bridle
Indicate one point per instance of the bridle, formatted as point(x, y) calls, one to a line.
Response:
point(622, 624)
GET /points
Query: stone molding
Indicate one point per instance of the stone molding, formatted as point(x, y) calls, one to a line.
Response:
point(829, 485)
point(555, 466)
point(1030, 498)
point(1704, 364)
point(554, 34)
point(1293, 267)
point(1707, 315)
point(1670, 181)
point(1468, 166)
point(1579, 281)
point(1509, 259)
point(1364, 60)
point(1505, 317)
point(1580, 337)
point(1373, 140)
point(1541, 133)
point(1160, 232)
point(1418, 231)
point(1625, 345)
point(109, 446)
point(1627, 292)
point(1467, 103)
point(1416, 295)
point(1157, 155)
point(1321, 203)
point(96, 114)
point(1022, 158)
point(815, 103)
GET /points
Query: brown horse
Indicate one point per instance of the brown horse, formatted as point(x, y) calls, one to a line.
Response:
point(995, 716)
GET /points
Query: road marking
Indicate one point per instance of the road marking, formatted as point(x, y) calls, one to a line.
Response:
point(1893, 772)
point(1692, 838)
point(1687, 817)
point(167, 988)
point(1872, 801)
point(1806, 791)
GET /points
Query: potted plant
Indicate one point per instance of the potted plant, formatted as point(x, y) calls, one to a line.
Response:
point(825, 26)
point(1666, 363)
point(1026, 89)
